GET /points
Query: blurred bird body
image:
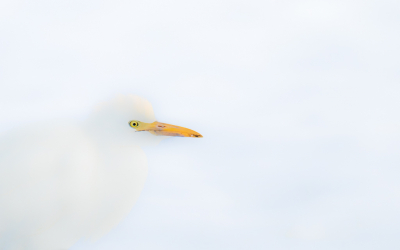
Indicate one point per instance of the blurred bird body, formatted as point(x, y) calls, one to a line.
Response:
point(59, 184)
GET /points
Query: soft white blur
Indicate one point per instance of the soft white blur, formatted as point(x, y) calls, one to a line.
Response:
point(297, 102)
point(65, 180)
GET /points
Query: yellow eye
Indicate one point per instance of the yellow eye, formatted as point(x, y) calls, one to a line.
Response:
point(133, 124)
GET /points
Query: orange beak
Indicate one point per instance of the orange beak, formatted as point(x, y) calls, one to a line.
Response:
point(158, 128)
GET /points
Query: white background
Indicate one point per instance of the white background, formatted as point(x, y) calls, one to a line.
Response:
point(298, 103)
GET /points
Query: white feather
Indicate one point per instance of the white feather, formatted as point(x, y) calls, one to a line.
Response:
point(59, 183)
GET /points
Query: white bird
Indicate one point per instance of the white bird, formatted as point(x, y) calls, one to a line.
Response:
point(61, 183)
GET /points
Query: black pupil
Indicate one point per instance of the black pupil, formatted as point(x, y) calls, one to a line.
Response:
point(134, 124)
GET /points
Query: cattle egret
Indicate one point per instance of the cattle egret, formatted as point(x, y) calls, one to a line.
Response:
point(63, 181)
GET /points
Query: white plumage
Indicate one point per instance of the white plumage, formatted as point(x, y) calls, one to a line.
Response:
point(63, 181)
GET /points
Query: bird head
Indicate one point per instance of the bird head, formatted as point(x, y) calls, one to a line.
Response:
point(109, 123)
